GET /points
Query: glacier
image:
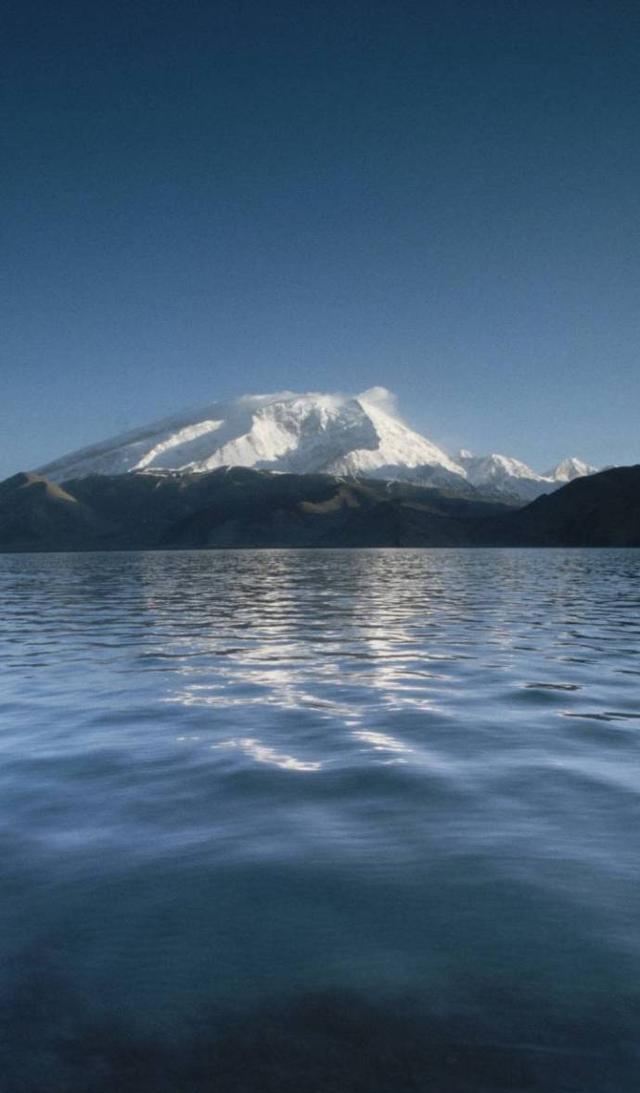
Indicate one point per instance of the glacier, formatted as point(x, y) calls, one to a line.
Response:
point(347, 435)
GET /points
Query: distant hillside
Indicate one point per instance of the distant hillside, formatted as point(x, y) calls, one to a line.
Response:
point(239, 507)
point(234, 507)
point(602, 510)
point(36, 514)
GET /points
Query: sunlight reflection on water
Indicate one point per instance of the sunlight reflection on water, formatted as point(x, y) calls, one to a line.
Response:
point(238, 776)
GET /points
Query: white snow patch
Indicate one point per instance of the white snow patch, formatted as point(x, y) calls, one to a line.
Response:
point(336, 434)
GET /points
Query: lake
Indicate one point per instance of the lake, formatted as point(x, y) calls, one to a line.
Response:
point(324, 820)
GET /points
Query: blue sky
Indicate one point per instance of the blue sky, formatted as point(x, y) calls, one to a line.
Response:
point(208, 199)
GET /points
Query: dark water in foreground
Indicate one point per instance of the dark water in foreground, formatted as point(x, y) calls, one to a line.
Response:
point(320, 821)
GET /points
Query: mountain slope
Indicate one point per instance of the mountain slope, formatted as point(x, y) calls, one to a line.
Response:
point(601, 510)
point(307, 434)
point(238, 507)
point(569, 469)
point(38, 514)
point(511, 478)
point(285, 432)
point(241, 507)
point(504, 475)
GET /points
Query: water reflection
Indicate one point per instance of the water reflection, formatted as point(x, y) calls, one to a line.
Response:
point(236, 777)
point(263, 754)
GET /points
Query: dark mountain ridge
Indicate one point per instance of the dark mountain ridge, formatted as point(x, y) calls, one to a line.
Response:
point(600, 510)
point(241, 507)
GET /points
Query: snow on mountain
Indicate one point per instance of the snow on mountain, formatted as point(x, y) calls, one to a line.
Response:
point(486, 468)
point(515, 479)
point(303, 433)
point(504, 475)
point(569, 469)
point(338, 434)
point(398, 450)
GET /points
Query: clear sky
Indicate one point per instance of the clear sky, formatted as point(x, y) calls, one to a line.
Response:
point(204, 199)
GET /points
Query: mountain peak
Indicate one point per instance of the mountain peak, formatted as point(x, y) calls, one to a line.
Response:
point(314, 432)
point(286, 431)
point(570, 468)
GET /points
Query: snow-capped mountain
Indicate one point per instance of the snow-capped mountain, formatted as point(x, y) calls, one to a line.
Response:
point(514, 478)
point(504, 475)
point(336, 434)
point(569, 469)
point(359, 436)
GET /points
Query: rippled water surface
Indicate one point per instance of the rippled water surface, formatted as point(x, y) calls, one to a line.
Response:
point(320, 820)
